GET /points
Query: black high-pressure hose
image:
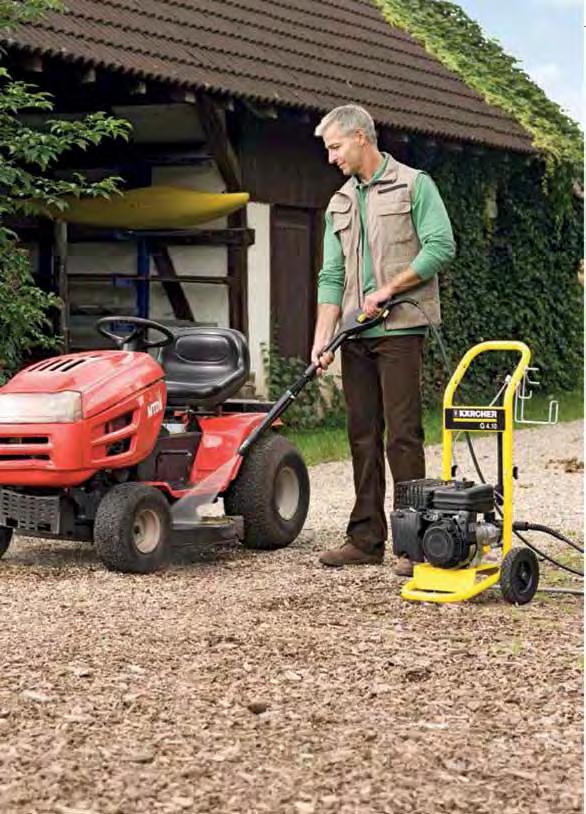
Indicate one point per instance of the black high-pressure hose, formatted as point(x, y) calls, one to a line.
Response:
point(522, 526)
point(547, 530)
point(519, 525)
point(448, 367)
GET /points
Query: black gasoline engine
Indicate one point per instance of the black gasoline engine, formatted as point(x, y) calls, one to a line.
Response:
point(437, 521)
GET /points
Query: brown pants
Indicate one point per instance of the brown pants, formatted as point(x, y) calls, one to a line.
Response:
point(381, 382)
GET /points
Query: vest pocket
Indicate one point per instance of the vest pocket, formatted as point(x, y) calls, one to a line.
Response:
point(341, 221)
point(390, 207)
point(395, 219)
point(382, 189)
point(341, 212)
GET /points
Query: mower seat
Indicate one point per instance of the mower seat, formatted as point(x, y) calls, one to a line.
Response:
point(204, 366)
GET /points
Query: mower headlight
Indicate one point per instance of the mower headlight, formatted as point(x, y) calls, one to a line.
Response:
point(40, 408)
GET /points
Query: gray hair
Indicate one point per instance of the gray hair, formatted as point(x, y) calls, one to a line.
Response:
point(349, 118)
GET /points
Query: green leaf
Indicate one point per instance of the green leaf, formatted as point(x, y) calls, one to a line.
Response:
point(27, 157)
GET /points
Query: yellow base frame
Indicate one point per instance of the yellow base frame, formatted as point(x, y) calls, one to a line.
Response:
point(431, 584)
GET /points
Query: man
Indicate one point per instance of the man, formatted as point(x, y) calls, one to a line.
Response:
point(387, 233)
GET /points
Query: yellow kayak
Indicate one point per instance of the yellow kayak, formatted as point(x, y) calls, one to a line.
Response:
point(156, 207)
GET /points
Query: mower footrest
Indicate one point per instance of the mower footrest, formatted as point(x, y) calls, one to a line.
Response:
point(24, 512)
point(208, 530)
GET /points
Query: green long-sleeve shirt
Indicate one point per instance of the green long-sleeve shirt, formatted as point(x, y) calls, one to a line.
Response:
point(433, 228)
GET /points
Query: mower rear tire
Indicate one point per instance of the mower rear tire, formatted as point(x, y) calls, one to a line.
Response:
point(519, 576)
point(5, 538)
point(271, 493)
point(132, 529)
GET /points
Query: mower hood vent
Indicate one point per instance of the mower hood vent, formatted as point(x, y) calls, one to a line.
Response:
point(62, 365)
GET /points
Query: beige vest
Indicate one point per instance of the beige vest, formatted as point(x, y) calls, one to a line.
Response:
point(392, 240)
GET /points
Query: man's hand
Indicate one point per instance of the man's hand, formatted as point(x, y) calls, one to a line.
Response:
point(373, 301)
point(327, 317)
point(321, 360)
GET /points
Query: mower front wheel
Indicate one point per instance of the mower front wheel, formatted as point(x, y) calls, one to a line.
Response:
point(271, 492)
point(132, 530)
point(5, 538)
point(519, 576)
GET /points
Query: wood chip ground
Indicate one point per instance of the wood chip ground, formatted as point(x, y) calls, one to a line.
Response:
point(245, 682)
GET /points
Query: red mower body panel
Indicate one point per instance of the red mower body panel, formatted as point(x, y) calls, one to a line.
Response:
point(123, 400)
point(217, 462)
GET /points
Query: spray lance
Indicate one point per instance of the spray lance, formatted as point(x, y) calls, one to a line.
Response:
point(355, 323)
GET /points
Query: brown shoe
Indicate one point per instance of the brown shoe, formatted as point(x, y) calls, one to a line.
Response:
point(348, 554)
point(403, 567)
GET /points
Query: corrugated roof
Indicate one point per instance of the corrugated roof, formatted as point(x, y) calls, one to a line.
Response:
point(300, 53)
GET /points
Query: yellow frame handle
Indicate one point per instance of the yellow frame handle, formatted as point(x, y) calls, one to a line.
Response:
point(447, 435)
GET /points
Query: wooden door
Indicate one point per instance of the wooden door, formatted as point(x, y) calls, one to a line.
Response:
point(294, 265)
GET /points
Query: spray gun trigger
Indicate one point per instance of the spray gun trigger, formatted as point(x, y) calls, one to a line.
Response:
point(362, 317)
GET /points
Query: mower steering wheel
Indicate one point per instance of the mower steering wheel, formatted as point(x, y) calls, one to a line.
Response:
point(138, 334)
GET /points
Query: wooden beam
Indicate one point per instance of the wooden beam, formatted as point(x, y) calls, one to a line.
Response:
point(241, 236)
point(183, 95)
point(32, 63)
point(216, 133)
point(174, 290)
point(235, 237)
point(44, 236)
point(131, 279)
point(261, 112)
point(89, 77)
point(60, 275)
point(164, 157)
point(138, 89)
point(214, 128)
point(238, 274)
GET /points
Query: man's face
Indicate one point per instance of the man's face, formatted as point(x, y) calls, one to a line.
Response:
point(346, 151)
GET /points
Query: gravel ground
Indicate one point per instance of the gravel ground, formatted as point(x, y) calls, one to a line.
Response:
point(245, 682)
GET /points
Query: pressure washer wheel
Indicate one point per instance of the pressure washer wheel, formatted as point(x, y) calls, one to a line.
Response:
point(132, 530)
point(519, 576)
point(5, 538)
point(271, 492)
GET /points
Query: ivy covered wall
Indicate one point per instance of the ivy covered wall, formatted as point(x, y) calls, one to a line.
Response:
point(515, 274)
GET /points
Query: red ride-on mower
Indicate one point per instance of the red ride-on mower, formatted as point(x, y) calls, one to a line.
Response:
point(101, 445)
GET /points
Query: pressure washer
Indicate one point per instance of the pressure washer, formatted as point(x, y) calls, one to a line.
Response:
point(452, 529)
point(448, 526)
